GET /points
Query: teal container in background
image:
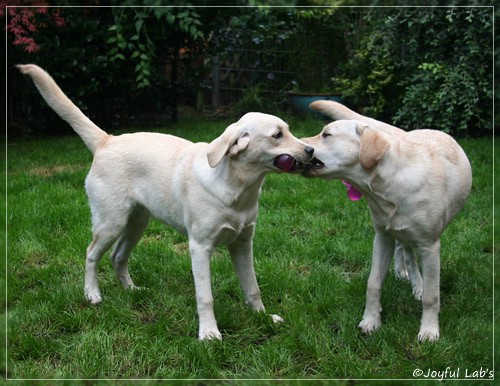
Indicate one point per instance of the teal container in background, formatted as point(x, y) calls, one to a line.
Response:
point(299, 103)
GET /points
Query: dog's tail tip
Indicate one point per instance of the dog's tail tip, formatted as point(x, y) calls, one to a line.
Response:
point(323, 104)
point(26, 68)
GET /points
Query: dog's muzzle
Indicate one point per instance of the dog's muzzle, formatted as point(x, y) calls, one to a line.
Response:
point(287, 163)
point(315, 164)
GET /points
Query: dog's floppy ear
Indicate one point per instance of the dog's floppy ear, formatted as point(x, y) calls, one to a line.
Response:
point(373, 146)
point(232, 142)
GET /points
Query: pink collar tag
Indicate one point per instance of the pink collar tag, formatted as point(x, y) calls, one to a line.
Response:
point(353, 193)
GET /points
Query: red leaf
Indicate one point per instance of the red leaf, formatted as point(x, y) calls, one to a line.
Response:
point(32, 48)
point(22, 22)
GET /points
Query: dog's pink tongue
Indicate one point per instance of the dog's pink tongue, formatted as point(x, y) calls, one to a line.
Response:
point(353, 193)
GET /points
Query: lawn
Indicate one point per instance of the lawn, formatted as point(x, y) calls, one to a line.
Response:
point(312, 257)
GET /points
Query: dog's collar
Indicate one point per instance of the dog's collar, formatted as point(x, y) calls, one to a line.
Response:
point(353, 193)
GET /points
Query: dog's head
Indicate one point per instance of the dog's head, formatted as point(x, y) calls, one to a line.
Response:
point(346, 148)
point(263, 141)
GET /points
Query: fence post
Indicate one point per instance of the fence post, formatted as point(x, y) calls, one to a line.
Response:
point(215, 81)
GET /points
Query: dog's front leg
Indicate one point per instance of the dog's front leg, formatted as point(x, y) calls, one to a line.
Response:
point(383, 249)
point(429, 325)
point(200, 260)
point(241, 251)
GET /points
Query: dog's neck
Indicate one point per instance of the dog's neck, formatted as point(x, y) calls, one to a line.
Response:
point(234, 185)
point(367, 182)
point(383, 202)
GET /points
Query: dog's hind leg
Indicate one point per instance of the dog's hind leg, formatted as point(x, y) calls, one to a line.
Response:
point(399, 262)
point(413, 271)
point(130, 236)
point(103, 238)
point(406, 268)
point(109, 219)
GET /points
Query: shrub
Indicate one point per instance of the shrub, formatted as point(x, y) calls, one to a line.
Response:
point(423, 67)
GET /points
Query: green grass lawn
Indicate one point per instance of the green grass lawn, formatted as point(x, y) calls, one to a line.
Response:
point(312, 257)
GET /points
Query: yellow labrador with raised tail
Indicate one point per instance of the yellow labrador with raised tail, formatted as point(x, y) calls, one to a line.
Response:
point(209, 191)
point(414, 182)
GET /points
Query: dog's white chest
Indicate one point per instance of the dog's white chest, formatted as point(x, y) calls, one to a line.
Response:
point(228, 233)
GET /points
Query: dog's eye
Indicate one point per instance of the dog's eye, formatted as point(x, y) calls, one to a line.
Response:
point(278, 135)
point(325, 134)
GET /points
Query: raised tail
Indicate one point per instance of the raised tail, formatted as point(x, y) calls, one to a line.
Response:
point(91, 135)
point(338, 111)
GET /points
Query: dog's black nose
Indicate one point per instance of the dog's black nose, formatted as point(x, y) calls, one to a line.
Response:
point(309, 150)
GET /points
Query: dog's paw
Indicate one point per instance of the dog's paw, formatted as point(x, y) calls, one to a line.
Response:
point(277, 319)
point(428, 334)
point(135, 288)
point(93, 295)
point(401, 273)
point(369, 324)
point(417, 292)
point(209, 334)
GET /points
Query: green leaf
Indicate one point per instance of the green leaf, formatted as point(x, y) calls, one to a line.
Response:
point(192, 31)
point(158, 12)
point(138, 25)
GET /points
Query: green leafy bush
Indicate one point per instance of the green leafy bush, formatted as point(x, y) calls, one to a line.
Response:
point(451, 88)
point(444, 97)
point(423, 67)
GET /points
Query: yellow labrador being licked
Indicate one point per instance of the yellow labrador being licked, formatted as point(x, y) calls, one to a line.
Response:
point(209, 191)
point(414, 182)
